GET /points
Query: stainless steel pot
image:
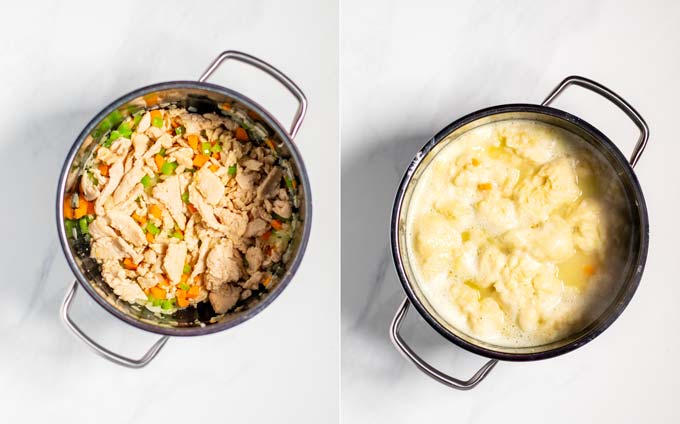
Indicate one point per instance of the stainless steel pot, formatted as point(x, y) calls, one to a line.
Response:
point(199, 96)
point(638, 238)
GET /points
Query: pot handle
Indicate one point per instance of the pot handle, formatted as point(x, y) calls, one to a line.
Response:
point(100, 350)
point(273, 72)
point(612, 97)
point(428, 369)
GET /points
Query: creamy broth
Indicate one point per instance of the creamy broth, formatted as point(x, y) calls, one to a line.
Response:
point(511, 231)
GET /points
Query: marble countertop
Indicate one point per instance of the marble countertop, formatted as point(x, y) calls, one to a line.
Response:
point(61, 64)
point(407, 70)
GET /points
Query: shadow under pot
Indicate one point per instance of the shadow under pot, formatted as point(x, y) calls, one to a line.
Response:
point(261, 128)
point(633, 238)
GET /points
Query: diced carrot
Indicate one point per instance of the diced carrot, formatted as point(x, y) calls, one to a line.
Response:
point(159, 161)
point(225, 106)
point(182, 301)
point(193, 141)
point(215, 155)
point(589, 270)
point(68, 210)
point(184, 278)
point(174, 124)
point(191, 208)
point(484, 186)
point(214, 168)
point(241, 134)
point(90, 208)
point(270, 144)
point(276, 224)
point(81, 211)
point(266, 235)
point(156, 114)
point(155, 210)
point(193, 292)
point(141, 220)
point(149, 237)
point(103, 169)
point(267, 281)
point(151, 99)
point(253, 115)
point(475, 162)
point(293, 183)
point(128, 264)
point(157, 292)
point(164, 282)
point(200, 160)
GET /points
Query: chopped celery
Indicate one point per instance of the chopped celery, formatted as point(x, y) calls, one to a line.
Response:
point(205, 148)
point(115, 135)
point(115, 117)
point(168, 168)
point(232, 170)
point(185, 197)
point(105, 125)
point(180, 130)
point(151, 228)
point(125, 130)
point(107, 142)
point(289, 182)
point(69, 225)
point(187, 269)
point(157, 122)
point(177, 234)
point(161, 152)
point(146, 181)
point(92, 178)
point(82, 224)
point(89, 218)
point(184, 286)
point(168, 304)
point(156, 302)
point(216, 148)
point(138, 118)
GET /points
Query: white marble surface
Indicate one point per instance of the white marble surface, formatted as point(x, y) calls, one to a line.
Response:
point(61, 63)
point(408, 69)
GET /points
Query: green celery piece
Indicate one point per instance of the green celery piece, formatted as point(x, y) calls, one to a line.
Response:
point(162, 151)
point(69, 225)
point(156, 302)
point(150, 227)
point(124, 129)
point(289, 182)
point(167, 304)
point(180, 130)
point(176, 234)
point(115, 135)
point(146, 181)
point(157, 122)
point(216, 148)
point(205, 148)
point(89, 218)
point(115, 117)
point(105, 125)
point(168, 168)
point(107, 142)
point(184, 287)
point(138, 118)
point(82, 224)
point(232, 170)
point(185, 197)
point(187, 269)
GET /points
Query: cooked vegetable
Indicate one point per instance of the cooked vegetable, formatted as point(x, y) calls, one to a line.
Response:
point(241, 134)
point(177, 234)
point(185, 197)
point(155, 210)
point(162, 151)
point(216, 148)
point(152, 229)
point(103, 169)
point(69, 226)
point(168, 168)
point(200, 160)
point(159, 162)
point(276, 224)
point(193, 142)
point(180, 130)
point(125, 130)
point(184, 286)
point(168, 304)
point(157, 292)
point(484, 186)
point(83, 224)
point(146, 181)
point(205, 148)
point(129, 264)
point(187, 269)
point(231, 170)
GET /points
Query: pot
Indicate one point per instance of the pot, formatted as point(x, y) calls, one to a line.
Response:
point(639, 231)
point(198, 96)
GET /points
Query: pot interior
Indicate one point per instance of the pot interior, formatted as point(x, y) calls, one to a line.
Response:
point(200, 98)
point(633, 238)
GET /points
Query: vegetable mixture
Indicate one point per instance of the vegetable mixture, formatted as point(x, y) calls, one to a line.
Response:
point(179, 208)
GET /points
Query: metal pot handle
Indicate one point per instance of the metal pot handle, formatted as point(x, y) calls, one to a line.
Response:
point(100, 350)
point(428, 369)
point(273, 72)
point(612, 97)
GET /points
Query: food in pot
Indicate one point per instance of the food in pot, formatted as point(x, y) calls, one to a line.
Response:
point(513, 233)
point(180, 208)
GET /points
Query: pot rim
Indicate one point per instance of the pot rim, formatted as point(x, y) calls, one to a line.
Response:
point(304, 180)
point(612, 312)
